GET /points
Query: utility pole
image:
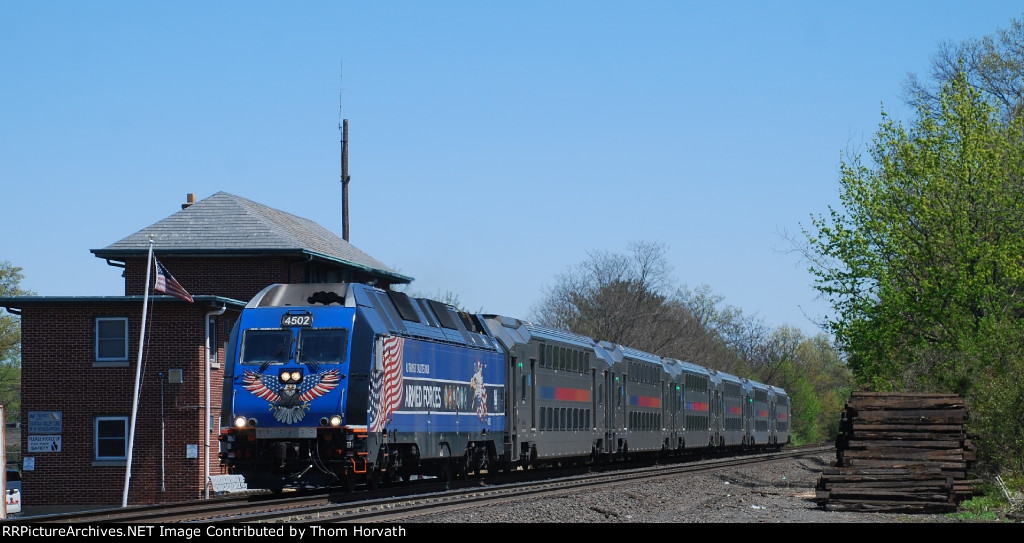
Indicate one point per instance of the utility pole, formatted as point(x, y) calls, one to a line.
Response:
point(343, 127)
point(344, 179)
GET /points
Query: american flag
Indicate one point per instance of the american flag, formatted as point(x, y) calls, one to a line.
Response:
point(166, 283)
point(386, 395)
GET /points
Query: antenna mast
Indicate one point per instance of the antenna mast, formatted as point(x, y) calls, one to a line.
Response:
point(343, 127)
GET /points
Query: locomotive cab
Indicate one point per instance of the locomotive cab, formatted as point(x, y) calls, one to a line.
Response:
point(355, 385)
point(285, 389)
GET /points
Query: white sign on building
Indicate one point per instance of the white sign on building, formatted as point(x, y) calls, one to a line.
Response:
point(44, 443)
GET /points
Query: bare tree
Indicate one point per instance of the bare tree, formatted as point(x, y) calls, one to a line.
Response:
point(631, 300)
point(617, 298)
point(992, 64)
point(729, 340)
point(772, 352)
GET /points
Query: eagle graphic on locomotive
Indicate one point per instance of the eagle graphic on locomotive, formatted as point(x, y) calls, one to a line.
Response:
point(346, 383)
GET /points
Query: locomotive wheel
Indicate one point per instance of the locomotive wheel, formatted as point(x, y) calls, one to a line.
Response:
point(348, 482)
point(446, 472)
point(373, 478)
point(385, 464)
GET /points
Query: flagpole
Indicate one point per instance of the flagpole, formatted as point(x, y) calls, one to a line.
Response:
point(138, 376)
point(3, 458)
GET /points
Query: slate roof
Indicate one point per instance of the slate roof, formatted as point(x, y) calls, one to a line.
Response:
point(229, 225)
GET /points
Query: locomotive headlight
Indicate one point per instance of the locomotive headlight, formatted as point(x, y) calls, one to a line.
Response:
point(290, 376)
point(336, 420)
point(239, 422)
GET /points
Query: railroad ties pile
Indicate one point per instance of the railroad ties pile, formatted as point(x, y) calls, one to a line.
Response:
point(899, 453)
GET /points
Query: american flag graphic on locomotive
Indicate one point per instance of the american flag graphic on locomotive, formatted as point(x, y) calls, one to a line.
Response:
point(423, 384)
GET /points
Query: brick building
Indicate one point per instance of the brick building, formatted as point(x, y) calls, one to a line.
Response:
point(79, 354)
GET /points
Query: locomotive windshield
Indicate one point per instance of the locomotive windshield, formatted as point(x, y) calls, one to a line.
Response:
point(266, 347)
point(322, 346)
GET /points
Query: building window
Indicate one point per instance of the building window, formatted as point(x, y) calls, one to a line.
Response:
point(214, 354)
point(112, 339)
point(111, 437)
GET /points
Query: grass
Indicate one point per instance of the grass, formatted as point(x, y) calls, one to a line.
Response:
point(982, 508)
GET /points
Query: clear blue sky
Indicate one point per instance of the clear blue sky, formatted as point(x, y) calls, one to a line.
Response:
point(493, 144)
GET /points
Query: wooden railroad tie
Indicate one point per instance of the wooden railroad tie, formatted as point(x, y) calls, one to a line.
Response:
point(899, 453)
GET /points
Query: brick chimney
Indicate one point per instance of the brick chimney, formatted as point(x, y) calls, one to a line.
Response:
point(191, 199)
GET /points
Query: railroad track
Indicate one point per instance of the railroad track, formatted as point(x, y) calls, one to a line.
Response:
point(409, 509)
point(406, 502)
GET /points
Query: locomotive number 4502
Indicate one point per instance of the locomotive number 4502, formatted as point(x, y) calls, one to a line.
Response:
point(297, 320)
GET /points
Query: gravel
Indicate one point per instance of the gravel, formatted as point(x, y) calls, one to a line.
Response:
point(779, 492)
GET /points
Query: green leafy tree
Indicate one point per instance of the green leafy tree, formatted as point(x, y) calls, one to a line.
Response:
point(833, 379)
point(925, 268)
point(805, 407)
point(10, 342)
point(814, 376)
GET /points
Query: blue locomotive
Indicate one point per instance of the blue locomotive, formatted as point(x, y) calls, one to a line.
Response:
point(338, 383)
